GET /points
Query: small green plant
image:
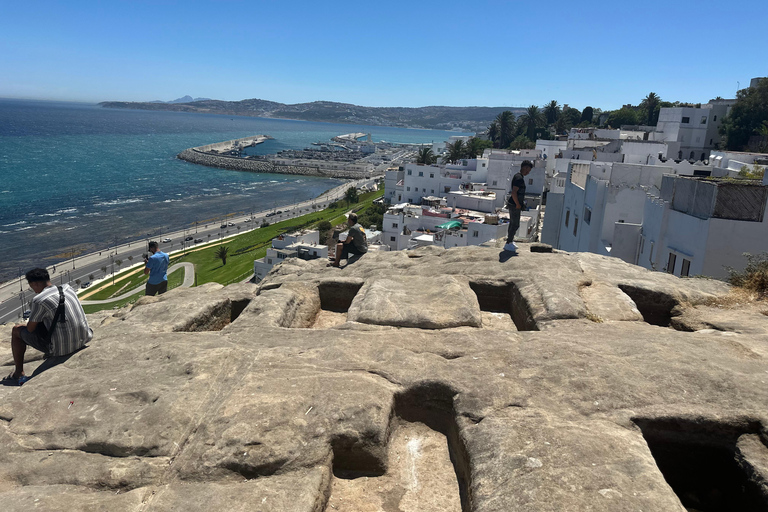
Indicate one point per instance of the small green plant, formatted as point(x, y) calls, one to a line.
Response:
point(221, 253)
point(754, 277)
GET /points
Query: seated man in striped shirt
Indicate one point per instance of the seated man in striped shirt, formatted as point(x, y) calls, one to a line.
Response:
point(70, 333)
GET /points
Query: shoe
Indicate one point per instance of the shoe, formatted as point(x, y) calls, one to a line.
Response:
point(511, 247)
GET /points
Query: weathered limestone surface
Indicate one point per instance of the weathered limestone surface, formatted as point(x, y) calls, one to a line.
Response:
point(269, 398)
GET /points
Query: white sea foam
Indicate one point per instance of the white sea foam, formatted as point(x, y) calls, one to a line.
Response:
point(116, 202)
point(24, 228)
point(15, 224)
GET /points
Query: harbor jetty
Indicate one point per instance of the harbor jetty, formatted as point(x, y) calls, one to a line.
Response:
point(352, 164)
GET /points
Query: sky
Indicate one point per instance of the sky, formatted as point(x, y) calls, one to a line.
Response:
point(392, 53)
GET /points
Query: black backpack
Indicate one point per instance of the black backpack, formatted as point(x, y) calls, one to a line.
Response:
point(58, 317)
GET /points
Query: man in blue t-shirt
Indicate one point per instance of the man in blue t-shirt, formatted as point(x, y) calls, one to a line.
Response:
point(157, 268)
point(516, 204)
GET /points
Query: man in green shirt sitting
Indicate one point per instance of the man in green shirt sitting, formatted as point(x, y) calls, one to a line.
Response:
point(356, 242)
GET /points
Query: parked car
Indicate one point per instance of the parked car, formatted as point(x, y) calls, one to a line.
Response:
point(198, 240)
point(223, 226)
point(231, 224)
point(271, 214)
point(166, 240)
point(189, 238)
point(279, 212)
point(85, 285)
point(247, 220)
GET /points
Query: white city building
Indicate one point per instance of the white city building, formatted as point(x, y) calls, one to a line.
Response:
point(302, 244)
point(701, 226)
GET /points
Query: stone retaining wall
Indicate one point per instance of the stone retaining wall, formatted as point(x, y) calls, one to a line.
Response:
point(248, 165)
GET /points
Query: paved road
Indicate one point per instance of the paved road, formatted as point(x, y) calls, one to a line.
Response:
point(189, 280)
point(15, 295)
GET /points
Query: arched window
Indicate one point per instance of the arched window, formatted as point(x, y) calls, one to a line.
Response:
point(680, 155)
point(703, 157)
point(691, 157)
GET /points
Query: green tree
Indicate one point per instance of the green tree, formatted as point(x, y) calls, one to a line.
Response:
point(532, 119)
point(586, 115)
point(454, 152)
point(572, 117)
point(351, 195)
point(650, 106)
point(506, 128)
point(522, 142)
point(493, 132)
point(221, 253)
point(746, 117)
point(622, 116)
point(475, 147)
point(426, 156)
point(551, 112)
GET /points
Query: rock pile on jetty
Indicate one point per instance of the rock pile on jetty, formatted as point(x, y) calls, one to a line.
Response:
point(426, 380)
point(254, 165)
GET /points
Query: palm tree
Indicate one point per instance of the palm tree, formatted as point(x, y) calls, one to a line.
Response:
point(475, 147)
point(552, 112)
point(493, 132)
point(426, 157)
point(506, 122)
point(650, 103)
point(455, 152)
point(221, 253)
point(532, 119)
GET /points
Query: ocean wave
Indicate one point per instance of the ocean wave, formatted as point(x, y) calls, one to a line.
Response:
point(24, 228)
point(67, 210)
point(117, 202)
point(14, 224)
point(173, 200)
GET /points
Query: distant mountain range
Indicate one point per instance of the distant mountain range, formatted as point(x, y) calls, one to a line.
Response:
point(183, 99)
point(471, 119)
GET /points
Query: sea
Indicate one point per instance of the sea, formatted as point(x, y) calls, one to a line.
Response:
point(78, 178)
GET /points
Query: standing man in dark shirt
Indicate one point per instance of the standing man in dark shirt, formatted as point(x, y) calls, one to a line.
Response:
point(516, 204)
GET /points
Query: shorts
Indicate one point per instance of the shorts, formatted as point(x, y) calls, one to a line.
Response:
point(348, 249)
point(36, 339)
point(157, 289)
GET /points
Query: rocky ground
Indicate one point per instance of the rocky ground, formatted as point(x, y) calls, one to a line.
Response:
point(426, 380)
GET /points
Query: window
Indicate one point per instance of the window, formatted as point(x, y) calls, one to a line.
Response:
point(530, 181)
point(671, 263)
point(475, 234)
point(714, 119)
point(567, 216)
point(394, 224)
point(691, 158)
point(710, 142)
point(447, 189)
point(431, 175)
point(391, 239)
point(494, 182)
point(575, 224)
point(642, 244)
point(483, 164)
point(703, 119)
point(686, 120)
point(269, 261)
point(423, 190)
point(421, 173)
point(587, 215)
point(432, 191)
point(408, 189)
point(685, 268)
point(410, 172)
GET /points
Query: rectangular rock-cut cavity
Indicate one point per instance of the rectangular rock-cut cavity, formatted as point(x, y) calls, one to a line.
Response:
point(335, 299)
point(422, 465)
point(699, 462)
point(220, 316)
point(502, 297)
point(656, 307)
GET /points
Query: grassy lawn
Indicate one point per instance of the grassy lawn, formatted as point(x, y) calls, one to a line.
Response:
point(243, 249)
point(175, 279)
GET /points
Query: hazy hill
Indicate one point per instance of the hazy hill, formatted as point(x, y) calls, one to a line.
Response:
point(437, 117)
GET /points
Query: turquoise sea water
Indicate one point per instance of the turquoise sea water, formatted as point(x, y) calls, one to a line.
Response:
point(77, 177)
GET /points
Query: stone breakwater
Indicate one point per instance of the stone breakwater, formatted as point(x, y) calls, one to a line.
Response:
point(193, 155)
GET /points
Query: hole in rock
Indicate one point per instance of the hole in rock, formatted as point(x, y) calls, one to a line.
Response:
point(500, 302)
point(220, 316)
point(335, 300)
point(698, 461)
point(656, 307)
point(422, 466)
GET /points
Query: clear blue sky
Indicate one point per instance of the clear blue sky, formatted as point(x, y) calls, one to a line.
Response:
point(396, 53)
